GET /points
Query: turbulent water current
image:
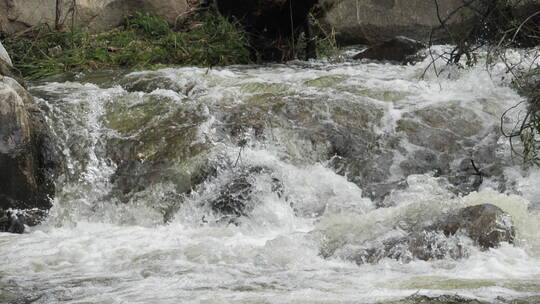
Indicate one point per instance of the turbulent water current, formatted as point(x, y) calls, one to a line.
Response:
point(318, 159)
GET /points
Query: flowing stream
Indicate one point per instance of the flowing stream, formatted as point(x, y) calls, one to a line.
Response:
point(319, 159)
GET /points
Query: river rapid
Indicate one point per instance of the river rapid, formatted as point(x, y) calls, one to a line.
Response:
point(336, 155)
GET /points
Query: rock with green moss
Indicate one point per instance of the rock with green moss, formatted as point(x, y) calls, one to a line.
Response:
point(159, 142)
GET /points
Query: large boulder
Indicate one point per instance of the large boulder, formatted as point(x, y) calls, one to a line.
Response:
point(371, 21)
point(26, 157)
point(18, 15)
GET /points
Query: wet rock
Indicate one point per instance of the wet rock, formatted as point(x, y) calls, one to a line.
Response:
point(26, 154)
point(445, 141)
point(399, 49)
point(32, 217)
point(357, 150)
point(160, 143)
point(444, 299)
point(487, 225)
point(10, 222)
point(343, 131)
point(424, 245)
point(236, 196)
point(433, 138)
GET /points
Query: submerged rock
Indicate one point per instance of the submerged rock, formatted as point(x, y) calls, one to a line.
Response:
point(10, 222)
point(399, 49)
point(160, 143)
point(444, 299)
point(236, 197)
point(424, 245)
point(15, 221)
point(487, 226)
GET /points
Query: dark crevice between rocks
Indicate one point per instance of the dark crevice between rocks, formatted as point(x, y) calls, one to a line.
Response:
point(275, 28)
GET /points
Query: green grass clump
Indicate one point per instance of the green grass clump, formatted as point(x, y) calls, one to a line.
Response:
point(143, 42)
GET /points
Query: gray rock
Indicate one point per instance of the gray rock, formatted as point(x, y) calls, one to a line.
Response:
point(236, 197)
point(400, 49)
point(421, 245)
point(98, 15)
point(153, 151)
point(26, 154)
point(372, 21)
point(486, 225)
point(11, 223)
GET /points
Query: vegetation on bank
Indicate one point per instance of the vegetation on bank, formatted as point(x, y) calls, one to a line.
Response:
point(143, 42)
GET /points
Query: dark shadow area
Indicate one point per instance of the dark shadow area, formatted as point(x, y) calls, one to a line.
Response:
point(275, 27)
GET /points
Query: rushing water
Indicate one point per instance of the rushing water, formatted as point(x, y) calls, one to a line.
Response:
point(337, 154)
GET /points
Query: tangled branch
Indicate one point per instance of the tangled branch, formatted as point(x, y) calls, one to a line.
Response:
point(496, 26)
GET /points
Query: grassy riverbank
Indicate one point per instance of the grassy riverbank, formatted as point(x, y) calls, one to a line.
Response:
point(143, 42)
